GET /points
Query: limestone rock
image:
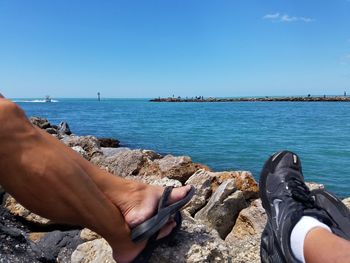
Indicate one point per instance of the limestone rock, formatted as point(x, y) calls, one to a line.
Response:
point(95, 251)
point(124, 163)
point(17, 209)
point(63, 128)
point(40, 122)
point(108, 142)
point(177, 167)
point(194, 243)
point(346, 201)
point(51, 130)
point(81, 151)
point(88, 235)
point(108, 152)
point(223, 207)
point(89, 144)
point(245, 235)
point(155, 180)
point(207, 182)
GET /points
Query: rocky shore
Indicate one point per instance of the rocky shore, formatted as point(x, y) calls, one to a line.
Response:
point(300, 99)
point(222, 223)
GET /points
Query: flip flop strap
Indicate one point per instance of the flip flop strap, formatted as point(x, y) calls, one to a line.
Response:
point(164, 198)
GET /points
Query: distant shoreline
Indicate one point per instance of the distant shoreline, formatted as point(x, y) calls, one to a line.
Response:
point(253, 99)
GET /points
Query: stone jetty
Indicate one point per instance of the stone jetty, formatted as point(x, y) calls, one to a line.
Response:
point(222, 223)
point(255, 99)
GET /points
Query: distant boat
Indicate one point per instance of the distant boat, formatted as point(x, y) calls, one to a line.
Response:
point(48, 99)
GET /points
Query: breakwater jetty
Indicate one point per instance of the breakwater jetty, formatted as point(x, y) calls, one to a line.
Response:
point(253, 99)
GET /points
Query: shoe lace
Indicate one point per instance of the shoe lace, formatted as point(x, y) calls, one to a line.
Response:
point(300, 192)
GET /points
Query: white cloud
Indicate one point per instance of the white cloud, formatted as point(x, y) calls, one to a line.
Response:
point(287, 18)
point(347, 56)
point(272, 16)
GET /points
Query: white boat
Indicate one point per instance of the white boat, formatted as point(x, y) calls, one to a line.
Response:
point(48, 99)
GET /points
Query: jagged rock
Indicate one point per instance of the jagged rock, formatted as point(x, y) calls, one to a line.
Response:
point(88, 235)
point(151, 155)
point(245, 235)
point(346, 201)
point(194, 243)
point(108, 152)
point(52, 243)
point(177, 167)
point(63, 128)
point(95, 251)
point(222, 210)
point(81, 151)
point(207, 182)
point(202, 181)
point(90, 144)
point(17, 209)
point(123, 163)
point(108, 142)
point(51, 130)
point(155, 180)
point(65, 254)
point(40, 122)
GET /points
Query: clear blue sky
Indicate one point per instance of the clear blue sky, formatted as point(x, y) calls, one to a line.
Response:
point(183, 47)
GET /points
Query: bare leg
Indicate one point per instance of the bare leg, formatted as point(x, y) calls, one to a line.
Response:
point(52, 180)
point(322, 246)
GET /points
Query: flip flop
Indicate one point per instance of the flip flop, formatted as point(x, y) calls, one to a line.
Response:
point(153, 243)
point(151, 226)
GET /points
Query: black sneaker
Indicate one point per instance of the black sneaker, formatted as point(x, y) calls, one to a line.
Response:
point(270, 251)
point(286, 199)
point(336, 210)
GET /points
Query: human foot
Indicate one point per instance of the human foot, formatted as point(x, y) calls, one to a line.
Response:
point(138, 203)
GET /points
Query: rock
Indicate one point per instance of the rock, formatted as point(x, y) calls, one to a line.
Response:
point(223, 208)
point(90, 144)
point(40, 122)
point(95, 251)
point(179, 168)
point(108, 152)
point(88, 235)
point(194, 243)
point(17, 209)
point(346, 201)
point(124, 163)
point(52, 243)
point(108, 142)
point(207, 182)
point(155, 180)
point(51, 130)
point(245, 235)
point(151, 155)
point(81, 151)
point(63, 128)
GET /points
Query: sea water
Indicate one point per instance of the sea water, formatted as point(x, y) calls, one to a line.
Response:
point(224, 136)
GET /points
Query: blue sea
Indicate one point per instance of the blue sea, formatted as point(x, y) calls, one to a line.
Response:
point(224, 136)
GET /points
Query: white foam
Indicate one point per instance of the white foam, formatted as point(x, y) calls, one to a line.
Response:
point(34, 101)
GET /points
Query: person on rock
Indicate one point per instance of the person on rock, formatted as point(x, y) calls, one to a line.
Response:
point(54, 181)
point(303, 225)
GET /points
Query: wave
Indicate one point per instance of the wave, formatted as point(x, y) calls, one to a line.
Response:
point(34, 101)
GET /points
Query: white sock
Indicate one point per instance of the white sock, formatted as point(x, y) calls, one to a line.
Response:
point(299, 232)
